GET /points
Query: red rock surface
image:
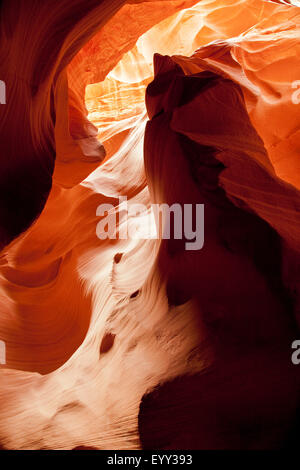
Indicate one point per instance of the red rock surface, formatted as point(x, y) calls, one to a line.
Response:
point(88, 118)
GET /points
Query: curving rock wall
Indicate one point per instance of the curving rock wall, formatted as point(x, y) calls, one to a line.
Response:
point(102, 336)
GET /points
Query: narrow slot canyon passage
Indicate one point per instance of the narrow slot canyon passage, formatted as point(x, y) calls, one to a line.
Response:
point(121, 329)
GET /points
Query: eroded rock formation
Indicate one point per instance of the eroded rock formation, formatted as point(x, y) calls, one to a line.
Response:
point(102, 334)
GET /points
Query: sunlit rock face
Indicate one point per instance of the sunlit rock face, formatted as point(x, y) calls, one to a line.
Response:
point(162, 102)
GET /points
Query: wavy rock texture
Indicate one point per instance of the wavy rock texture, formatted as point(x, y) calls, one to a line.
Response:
point(105, 337)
